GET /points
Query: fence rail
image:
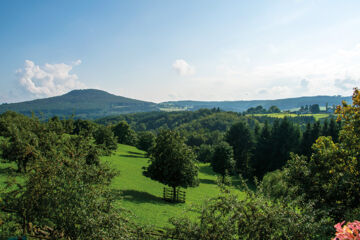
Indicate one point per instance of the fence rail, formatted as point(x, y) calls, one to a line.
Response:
point(168, 195)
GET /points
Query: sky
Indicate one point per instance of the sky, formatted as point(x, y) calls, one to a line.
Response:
point(179, 50)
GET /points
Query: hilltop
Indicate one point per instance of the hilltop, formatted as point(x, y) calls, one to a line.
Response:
point(93, 104)
point(88, 104)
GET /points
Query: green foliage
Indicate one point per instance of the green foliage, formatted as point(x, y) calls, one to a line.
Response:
point(172, 162)
point(263, 151)
point(105, 138)
point(223, 159)
point(205, 153)
point(64, 191)
point(254, 217)
point(274, 185)
point(330, 178)
point(145, 141)
point(240, 138)
point(124, 133)
point(314, 108)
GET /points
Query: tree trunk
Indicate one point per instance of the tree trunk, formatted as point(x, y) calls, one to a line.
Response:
point(174, 194)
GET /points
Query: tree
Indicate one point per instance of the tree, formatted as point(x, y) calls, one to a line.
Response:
point(146, 141)
point(205, 153)
point(240, 138)
point(315, 108)
point(263, 152)
point(306, 141)
point(124, 133)
point(274, 109)
point(223, 159)
point(172, 162)
point(330, 178)
point(66, 193)
point(285, 138)
point(105, 138)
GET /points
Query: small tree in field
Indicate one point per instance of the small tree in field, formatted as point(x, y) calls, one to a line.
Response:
point(223, 159)
point(172, 162)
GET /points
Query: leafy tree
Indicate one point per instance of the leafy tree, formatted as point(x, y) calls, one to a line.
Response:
point(331, 178)
point(66, 193)
point(105, 138)
point(172, 162)
point(263, 152)
point(205, 153)
point(223, 159)
point(240, 138)
point(315, 108)
point(274, 109)
point(146, 141)
point(306, 141)
point(84, 127)
point(285, 138)
point(124, 134)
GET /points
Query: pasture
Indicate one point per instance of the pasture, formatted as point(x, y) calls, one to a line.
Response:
point(143, 196)
point(282, 115)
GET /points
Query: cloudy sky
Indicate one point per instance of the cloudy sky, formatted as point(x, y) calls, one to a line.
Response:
point(177, 50)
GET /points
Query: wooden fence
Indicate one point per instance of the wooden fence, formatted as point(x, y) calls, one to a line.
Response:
point(168, 195)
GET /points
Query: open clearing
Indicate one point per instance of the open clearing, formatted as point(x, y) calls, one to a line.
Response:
point(282, 115)
point(143, 196)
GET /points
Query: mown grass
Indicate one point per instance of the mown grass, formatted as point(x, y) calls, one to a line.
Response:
point(282, 115)
point(143, 196)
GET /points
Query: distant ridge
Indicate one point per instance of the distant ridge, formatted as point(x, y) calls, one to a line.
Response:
point(88, 103)
point(93, 103)
point(240, 106)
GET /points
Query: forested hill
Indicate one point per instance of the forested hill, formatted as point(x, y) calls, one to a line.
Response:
point(92, 104)
point(240, 106)
point(87, 104)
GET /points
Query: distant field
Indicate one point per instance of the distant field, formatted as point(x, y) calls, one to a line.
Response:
point(143, 196)
point(282, 115)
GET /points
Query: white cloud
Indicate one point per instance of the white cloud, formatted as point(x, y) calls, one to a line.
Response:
point(334, 73)
point(49, 80)
point(183, 68)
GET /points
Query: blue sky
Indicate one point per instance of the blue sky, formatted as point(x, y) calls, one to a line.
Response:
point(177, 50)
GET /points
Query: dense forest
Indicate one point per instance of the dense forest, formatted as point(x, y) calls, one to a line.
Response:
point(299, 175)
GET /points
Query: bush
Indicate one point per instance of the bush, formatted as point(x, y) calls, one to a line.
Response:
point(254, 217)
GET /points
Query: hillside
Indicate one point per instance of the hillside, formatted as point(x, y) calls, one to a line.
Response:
point(92, 104)
point(240, 106)
point(89, 104)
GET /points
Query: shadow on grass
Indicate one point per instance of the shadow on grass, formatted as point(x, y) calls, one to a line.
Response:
point(206, 170)
point(136, 153)
point(131, 156)
point(137, 196)
point(207, 181)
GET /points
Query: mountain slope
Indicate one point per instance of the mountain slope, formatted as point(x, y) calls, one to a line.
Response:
point(92, 103)
point(89, 103)
point(240, 106)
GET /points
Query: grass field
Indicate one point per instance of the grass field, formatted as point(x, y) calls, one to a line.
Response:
point(282, 115)
point(143, 196)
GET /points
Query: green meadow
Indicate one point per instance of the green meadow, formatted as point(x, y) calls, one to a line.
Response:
point(282, 115)
point(143, 196)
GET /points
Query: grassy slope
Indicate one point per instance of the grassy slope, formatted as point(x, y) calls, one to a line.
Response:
point(282, 115)
point(142, 195)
